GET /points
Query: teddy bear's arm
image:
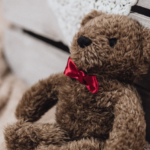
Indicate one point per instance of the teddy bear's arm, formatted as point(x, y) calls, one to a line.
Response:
point(129, 125)
point(39, 98)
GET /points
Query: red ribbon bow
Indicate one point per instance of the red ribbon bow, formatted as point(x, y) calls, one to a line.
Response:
point(90, 81)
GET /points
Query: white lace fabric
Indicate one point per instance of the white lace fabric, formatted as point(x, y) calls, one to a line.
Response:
point(70, 12)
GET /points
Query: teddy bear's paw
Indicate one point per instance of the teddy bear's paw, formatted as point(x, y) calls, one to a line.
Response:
point(20, 136)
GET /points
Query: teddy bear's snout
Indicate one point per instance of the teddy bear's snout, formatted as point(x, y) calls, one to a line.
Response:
point(84, 41)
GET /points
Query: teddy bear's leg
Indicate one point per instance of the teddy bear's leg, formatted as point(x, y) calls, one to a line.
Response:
point(27, 136)
point(39, 98)
point(83, 144)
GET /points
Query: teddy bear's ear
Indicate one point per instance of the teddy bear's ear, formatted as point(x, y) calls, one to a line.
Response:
point(90, 16)
point(146, 43)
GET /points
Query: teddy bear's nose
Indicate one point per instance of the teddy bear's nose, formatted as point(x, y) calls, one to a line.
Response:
point(83, 41)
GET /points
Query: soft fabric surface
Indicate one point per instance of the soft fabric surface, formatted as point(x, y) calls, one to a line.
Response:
point(11, 90)
point(73, 11)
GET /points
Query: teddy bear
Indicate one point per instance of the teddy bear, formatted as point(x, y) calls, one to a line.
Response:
point(97, 106)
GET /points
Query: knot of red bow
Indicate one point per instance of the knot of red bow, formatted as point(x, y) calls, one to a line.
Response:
point(90, 81)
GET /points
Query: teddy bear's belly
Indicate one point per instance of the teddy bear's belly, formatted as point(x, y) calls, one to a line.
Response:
point(82, 116)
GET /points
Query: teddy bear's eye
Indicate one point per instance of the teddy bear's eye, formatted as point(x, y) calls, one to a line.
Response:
point(112, 42)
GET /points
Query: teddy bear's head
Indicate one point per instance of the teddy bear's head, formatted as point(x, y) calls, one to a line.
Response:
point(113, 45)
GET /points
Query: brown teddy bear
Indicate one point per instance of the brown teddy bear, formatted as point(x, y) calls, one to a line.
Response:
point(97, 105)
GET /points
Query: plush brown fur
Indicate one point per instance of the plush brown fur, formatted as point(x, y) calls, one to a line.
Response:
point(112, 119)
